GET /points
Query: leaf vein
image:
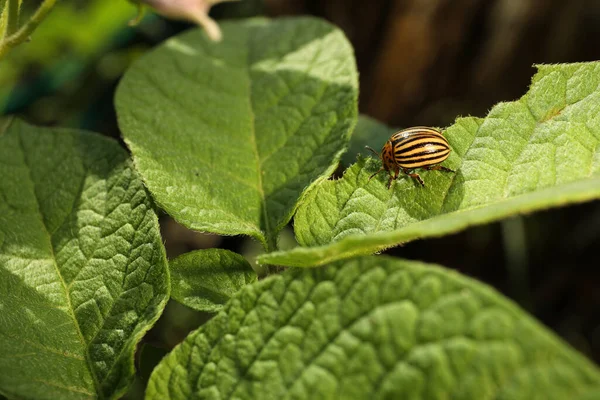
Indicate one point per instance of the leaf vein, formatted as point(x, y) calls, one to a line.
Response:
point(59, 276)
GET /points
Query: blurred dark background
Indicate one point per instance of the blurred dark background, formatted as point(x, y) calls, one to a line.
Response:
point(421, 62)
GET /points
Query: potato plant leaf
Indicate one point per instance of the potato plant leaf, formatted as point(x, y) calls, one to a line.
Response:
point(206, 279)
point(538, 152)
point(372, 327)
point(228, 135)
point(83, 273)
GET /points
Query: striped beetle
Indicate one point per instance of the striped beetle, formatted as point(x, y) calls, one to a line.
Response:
point(416, 147)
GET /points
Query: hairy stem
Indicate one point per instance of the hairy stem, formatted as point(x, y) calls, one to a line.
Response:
point(3, 12)
point(12, 38)
point(517, 261)
point(12, 16)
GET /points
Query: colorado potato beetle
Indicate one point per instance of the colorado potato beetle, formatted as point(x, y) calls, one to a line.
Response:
point(416, 147)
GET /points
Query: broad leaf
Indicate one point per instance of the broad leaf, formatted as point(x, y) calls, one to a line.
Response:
point(206, 279)
point(83, 273)
point(228, 135)
point(539, 152)
point(371, 328)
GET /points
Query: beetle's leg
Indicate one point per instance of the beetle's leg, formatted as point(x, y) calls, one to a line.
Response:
point(415, 176)
point(439, 168)
point(392, 178)
point(380, 169)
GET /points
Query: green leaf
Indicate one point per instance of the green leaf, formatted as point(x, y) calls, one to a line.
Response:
point(206, 279)
point(369, 328)
point(83, 273)
point(538, 152)
point(228, 135)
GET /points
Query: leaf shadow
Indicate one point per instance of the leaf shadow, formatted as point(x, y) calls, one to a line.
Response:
point(34, 331)
point(443, 191)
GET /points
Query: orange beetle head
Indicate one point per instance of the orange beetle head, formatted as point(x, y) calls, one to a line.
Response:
point(386, 157)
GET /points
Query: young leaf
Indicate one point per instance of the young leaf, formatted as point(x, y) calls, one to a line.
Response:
point(83, 273)
point(539, 152)
point(206, 279)
point(371, 328)
point(227, 136)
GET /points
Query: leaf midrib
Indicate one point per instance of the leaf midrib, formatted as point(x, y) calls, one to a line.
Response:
point(268, 243)
point(284, 324)
point(271, 245)
point(60, 277)
point(505, 195)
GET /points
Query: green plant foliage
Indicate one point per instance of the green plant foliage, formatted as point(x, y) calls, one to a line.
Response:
point(70, 39)
point(206, 279)
point(227, 136)
point(83, 273)
point(538, 152)
point(14, 31)
point(371, 328)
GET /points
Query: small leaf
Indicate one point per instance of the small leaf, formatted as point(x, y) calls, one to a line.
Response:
point(539, 152)
point(83, 273)
point(372, 328)
point(228, 136)
point(206, 279)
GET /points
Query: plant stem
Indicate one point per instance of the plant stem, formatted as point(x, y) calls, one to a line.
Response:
point(2, 18)
point(517, 261)
point(271, 244)
point(14, 38)
point(12, 17)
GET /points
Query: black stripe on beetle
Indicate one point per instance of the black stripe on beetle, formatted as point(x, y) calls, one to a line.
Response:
point(421, 151)
point(416, 147)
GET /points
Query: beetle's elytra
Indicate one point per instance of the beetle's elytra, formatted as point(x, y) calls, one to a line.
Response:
point(416, 147)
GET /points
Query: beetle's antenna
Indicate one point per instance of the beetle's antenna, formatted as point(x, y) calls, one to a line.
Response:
point(378, 156)
point(374, 152)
